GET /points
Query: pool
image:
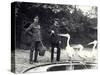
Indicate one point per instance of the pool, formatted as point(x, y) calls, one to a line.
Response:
point(61, 67)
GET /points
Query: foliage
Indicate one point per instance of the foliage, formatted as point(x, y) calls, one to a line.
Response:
point(71, 20)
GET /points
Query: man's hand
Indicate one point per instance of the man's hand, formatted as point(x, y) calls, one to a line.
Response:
point(52, 32)
point(59, 42)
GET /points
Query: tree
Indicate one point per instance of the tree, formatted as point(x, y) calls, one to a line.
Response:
point(70, 18)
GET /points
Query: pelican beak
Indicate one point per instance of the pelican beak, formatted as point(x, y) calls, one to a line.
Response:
point(64, 35)
point(60, 34)
point(90, 43)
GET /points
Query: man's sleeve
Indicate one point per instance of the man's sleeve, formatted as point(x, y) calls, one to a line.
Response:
point(29, 28)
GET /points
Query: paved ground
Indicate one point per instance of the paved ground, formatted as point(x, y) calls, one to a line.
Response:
point(22, 59)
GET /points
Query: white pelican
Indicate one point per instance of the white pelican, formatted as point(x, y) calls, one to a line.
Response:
point(92, 54)
point(70, 51)
point(81, 53)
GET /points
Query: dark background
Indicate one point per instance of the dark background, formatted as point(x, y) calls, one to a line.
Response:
point(81, 28)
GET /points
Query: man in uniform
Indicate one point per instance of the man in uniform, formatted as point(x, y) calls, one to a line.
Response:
point(34, 30)
point(55, 41)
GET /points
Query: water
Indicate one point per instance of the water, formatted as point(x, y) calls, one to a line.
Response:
point(61, 67)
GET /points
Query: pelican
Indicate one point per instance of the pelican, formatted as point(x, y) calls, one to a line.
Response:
point(70, 51)
point(92, 54)
point(81, 52)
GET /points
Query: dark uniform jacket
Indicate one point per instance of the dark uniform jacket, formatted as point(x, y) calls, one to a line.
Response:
point(34, 31)
point(54, 37)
